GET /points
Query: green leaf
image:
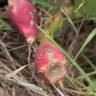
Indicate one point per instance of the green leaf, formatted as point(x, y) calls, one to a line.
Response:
point(45, 3)
point(89, 38)
point(42, 2)
point(88, 9)
point(56, 24)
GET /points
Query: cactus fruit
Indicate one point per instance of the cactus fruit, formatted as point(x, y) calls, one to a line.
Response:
point(23, 15)
point(50, 62)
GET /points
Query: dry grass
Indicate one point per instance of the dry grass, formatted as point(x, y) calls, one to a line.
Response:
point(11, 73)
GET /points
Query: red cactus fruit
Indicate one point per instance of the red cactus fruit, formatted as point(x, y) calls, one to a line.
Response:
point(50, 62)
point(23, 15)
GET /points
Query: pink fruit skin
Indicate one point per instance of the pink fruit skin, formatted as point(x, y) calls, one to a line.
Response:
point(23, 15)
point(42, 59)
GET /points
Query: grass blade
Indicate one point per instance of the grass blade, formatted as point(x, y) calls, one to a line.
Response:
point(89, 38)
